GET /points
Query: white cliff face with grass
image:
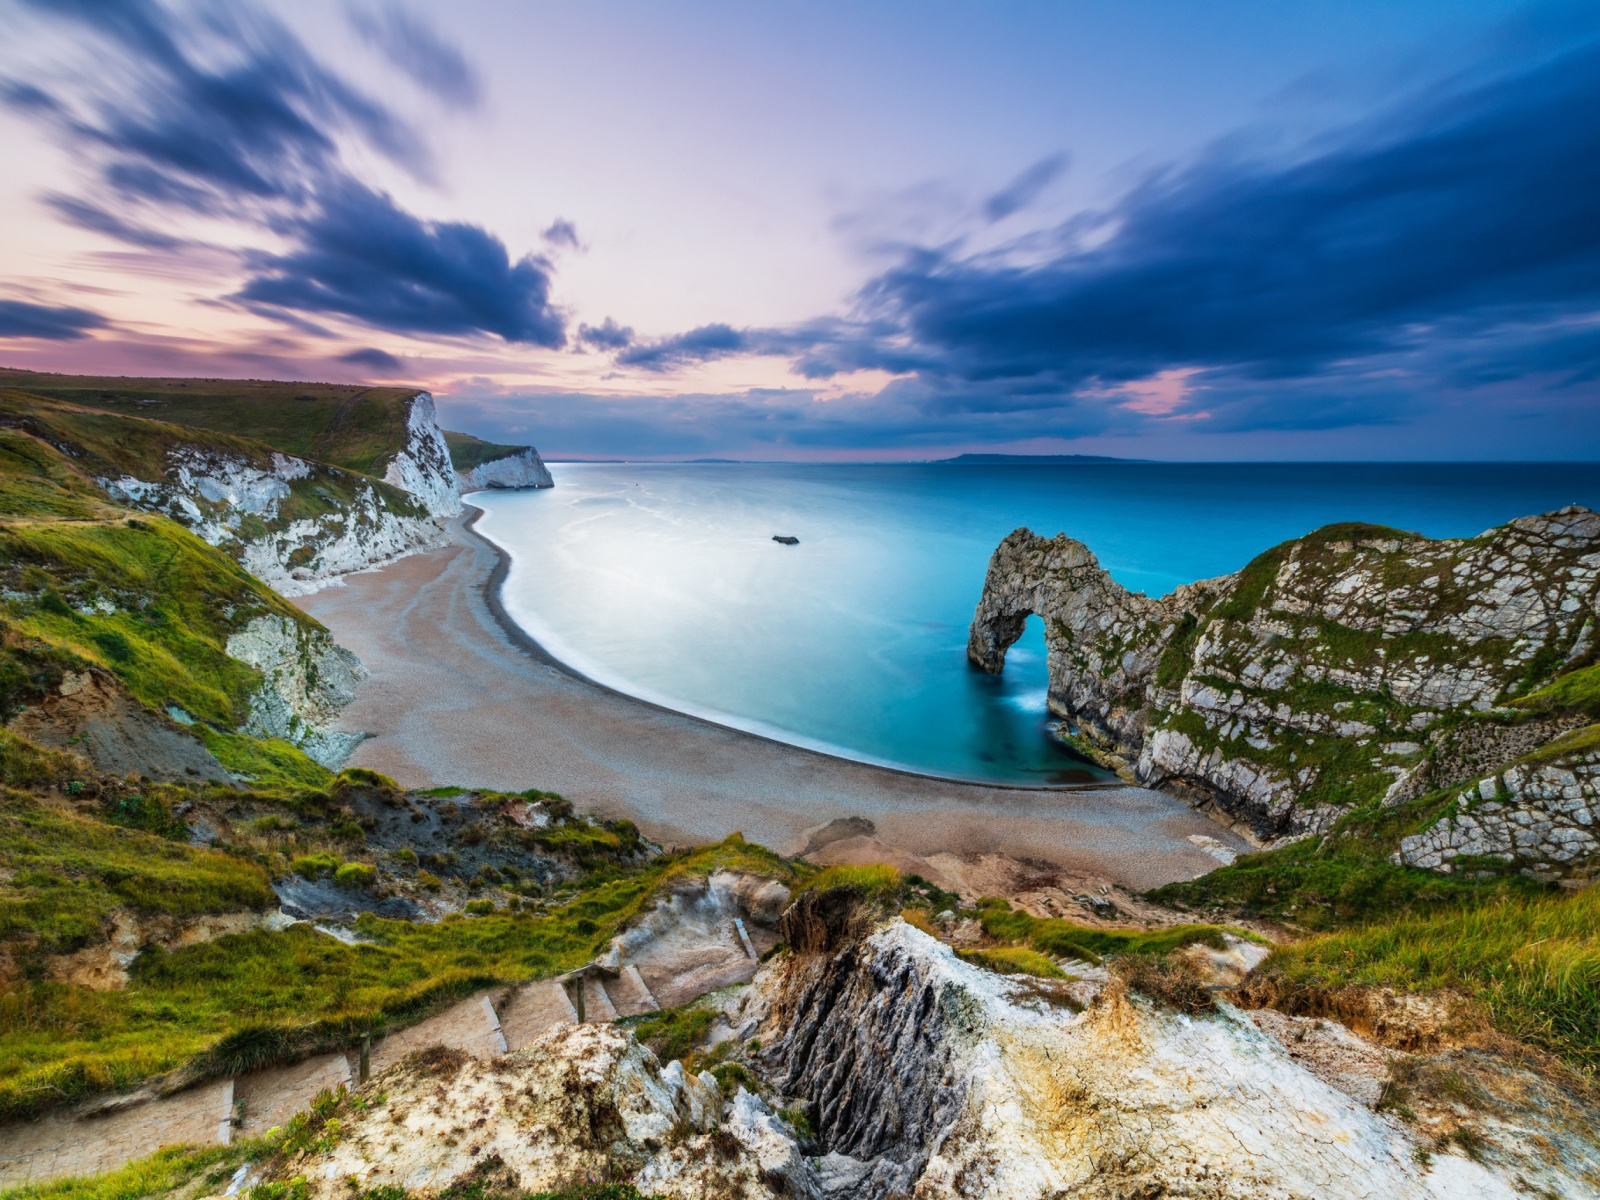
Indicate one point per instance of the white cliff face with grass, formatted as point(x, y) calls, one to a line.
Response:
point(524, 469)
point(422, 465)
point(308, 680)
point(1319, 677)
point(296, 526)
point(930, 1077)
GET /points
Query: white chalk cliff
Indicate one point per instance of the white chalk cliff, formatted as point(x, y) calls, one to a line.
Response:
point(422, 465)
point(1354, 665)
point(297, 525)
point(523, 469)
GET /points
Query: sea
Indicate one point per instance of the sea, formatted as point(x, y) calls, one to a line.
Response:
point(663, 580)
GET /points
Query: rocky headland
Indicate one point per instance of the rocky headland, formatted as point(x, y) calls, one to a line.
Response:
point(1355, 666)
point(484, 466)
point(325, 984)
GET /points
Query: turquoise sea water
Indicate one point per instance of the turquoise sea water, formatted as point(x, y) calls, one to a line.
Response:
point(663, 581)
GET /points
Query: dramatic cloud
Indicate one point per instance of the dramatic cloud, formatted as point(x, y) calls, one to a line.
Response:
point(608, 335)
point(1024, 189)
point(1452, 240)
point(231, 116)
point(363, 257)
point(18, 319)
point(429, 60)
point(380, 362)
point(1470, 211)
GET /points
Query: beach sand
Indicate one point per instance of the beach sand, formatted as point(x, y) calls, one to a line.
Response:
point(458, 695)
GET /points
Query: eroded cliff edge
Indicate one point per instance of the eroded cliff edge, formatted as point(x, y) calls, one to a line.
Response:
point(1356, 665)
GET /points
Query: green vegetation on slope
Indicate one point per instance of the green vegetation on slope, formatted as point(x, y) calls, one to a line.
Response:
point(173, 601)
point(1066, 939)
point(61, 874)
point(354, 427)
point(88, 584)
point(1534, 964)
point(467, 451)
point(1345, 877)
point(248, 999)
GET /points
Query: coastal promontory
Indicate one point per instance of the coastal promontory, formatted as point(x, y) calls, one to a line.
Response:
point(1358, 665)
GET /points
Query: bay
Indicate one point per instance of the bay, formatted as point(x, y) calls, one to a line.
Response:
point(663, 581)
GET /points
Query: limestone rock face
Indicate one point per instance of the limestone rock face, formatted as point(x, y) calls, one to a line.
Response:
point(1545, 813)
point(296, 526)
point(580, 1102)
point(931, 1078)
point(309, 680)
point(422, 465)
point(525, 469)
point(1312, 679)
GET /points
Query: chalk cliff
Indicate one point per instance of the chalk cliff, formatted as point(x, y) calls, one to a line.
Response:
point(1354, 665)
point(481, 465)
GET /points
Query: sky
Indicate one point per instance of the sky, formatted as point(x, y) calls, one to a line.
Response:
point(1243, 229)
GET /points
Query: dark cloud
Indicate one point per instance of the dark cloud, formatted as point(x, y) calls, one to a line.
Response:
point(19, 319)
point(1024, 189)
point(229, 114)
point(1463, 212)
point(562, 233)
point(213, 115)
point(91, 216)
point(380, 362)
point(608, 335)
point(362, 256)
point(421, 53)
point(698, 345)
point(1451, 241)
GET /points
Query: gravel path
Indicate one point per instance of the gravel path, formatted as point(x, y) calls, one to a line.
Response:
point(459, 695)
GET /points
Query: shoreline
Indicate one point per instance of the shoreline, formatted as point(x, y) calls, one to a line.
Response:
point(530, 645)
point(459, 695)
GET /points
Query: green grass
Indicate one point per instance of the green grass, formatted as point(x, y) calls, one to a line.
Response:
point(271, 761)
point(1533, 963)
point(352, 427)
point(1015, 960)
point(1575, 692)
point(248, 999)
point(467, 451)
point(875, 880)
point(673, 1032)
point(165, 1171)
point(177, 599)
point(1345, 878)
point(1066, 939)
point(24, 764)
point(64, 874)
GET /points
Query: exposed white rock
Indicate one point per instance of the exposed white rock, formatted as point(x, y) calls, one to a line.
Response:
point(308, 680)
point(932, 1078)
point(579, 1102)
point(422, 465)
point(1222, 689)
point(213, 493)
point(1547, 815)
point(524, 469)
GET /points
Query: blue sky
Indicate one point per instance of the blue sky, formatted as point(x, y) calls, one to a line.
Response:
point(1230, 230)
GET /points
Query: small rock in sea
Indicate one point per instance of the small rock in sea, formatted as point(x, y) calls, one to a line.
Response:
point(785, 539)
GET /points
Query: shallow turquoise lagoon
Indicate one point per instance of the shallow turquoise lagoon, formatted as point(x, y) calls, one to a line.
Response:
point(663, 581)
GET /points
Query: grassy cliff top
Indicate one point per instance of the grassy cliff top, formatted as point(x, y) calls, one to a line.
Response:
point(358, 428)
point(467, 451)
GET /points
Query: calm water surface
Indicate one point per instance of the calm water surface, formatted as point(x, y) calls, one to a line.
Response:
point(663, 580)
